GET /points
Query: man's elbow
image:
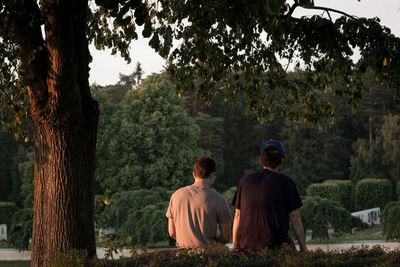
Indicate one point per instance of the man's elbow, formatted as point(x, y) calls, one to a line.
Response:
point(173, 235)
point(294, 215)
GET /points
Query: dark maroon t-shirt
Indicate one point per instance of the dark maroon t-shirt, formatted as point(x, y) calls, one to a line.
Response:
point(265, 199)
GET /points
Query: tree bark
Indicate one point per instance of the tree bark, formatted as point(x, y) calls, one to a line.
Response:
point(64, 119)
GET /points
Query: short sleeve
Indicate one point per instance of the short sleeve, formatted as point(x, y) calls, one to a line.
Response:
point(169, 210)
point(293, 200)
point(236, 197)
point(224, 214)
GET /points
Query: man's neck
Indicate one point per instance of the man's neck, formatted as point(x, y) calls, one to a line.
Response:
point(276, 169)
point(202, 183)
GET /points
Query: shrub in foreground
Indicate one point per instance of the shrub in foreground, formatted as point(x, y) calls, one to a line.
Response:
point(223, 256)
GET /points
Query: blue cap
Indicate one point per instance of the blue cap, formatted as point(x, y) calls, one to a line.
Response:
point(273, 144)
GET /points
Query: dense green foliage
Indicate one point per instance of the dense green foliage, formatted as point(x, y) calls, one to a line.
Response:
point(228, 194)
point(240, 137)
point(318, 214)
point(372, 193)
point(391, 220)
point(315, 155)
point(20, 231)
point(7, 209)
point(150, 141)
point(224, 44)
point(12, 152)
point(347, 191)
point(325, 190)
point(380, 156)
point(25, 171)
point(223, 256)
point(338, 190)
point(138, 216)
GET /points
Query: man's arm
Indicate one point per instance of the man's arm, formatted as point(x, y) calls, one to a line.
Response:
point(225, 236)
point(236, 221)
point(171, 228)
point(295, 219)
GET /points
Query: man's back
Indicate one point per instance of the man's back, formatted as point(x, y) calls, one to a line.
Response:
point(264, 199)
point(195, 212)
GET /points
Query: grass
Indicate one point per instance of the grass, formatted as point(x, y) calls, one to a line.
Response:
point(373, 233)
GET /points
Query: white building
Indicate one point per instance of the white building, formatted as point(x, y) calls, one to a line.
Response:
point(3, 232)
point(370, 216)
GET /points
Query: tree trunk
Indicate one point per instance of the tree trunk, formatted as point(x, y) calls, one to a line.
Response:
point(64, 119)
point(65, 130)
point(63, 203)
point(64, 174)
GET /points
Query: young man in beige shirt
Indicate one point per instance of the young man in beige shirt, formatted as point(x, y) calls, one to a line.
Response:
point(195, 211)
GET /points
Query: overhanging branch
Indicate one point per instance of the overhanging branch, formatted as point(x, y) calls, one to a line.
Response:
point(333, 10)
point(327, 9)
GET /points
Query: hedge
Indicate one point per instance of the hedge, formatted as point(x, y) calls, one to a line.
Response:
point(223, 256)
point(346, 192)
point(371, 193)
point(318, 214)
point(329, 191)
point(391, 220)
point(7, 209)
point(337, 190)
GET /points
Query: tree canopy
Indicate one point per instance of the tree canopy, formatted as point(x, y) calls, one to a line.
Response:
point(236, 47)
point(150, 140)
point(226, 48)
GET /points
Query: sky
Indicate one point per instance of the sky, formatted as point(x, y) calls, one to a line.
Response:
point(105, 68)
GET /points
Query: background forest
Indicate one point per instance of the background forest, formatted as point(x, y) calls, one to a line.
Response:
point(149, 137)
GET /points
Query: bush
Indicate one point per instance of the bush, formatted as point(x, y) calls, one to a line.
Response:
point(228, 194)
point(371, 193)
point(346, 192)
point(20, 231)
point(223, 256)
point(7, 209)
point(391, 219)
point(329, 191)
point(319, 213)
point(138, 216)
point(392, 224)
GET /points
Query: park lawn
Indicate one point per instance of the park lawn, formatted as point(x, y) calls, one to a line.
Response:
point(372, 233)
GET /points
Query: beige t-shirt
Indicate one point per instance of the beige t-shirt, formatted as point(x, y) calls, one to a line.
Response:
point(196, 212)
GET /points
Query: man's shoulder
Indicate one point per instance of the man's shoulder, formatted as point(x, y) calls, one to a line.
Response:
point(285, 177)
point(252, 175)
point(182, 190)
point(255, 175)
point(216, 194)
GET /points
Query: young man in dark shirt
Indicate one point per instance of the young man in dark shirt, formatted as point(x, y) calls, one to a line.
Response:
point(265, 201)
